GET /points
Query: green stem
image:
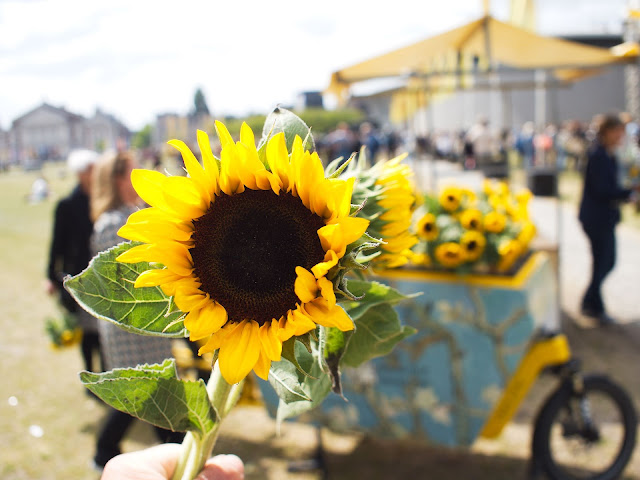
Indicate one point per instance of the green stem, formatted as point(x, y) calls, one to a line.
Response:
point(196, 448)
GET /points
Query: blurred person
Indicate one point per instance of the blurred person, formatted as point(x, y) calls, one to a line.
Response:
point(69, 252)
point(39, 190)
point(369, 139)
point(159, 463)
point(576, 145)
point(341, 142)
point(600, 211)
point(525, 146)
point(560, 146)
point(481, 138)
point(113, 199)
point(444, 145)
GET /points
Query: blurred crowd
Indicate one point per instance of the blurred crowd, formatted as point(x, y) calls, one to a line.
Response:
point(557, 147)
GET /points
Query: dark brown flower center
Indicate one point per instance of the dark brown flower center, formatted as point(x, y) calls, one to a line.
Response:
point(472, 245)
point(247, 247)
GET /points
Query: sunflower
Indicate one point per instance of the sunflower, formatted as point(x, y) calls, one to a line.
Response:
point(422, 259)
point(473, 244)
point(509, 251)
point(498, 202)
point(524, 196)
point(449, 254)
point(397, 200)
point(450, 198)
point(527, 233)
point(471, 219)
point(247, 249)
point(427, 228)
point(495, 222)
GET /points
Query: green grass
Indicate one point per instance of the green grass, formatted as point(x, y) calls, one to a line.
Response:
point(43, 381)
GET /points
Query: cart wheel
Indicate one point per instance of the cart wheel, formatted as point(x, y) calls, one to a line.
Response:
point(588, 435)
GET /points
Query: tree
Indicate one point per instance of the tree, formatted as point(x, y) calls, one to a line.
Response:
point(200, 103)
point(142, 139)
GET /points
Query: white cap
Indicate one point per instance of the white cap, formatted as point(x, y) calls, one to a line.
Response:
point(79, 160)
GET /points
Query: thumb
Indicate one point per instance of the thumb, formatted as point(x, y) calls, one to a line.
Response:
point(222, 467)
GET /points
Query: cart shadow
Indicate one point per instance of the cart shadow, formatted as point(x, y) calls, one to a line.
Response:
point(375, 458)
point(610, 350)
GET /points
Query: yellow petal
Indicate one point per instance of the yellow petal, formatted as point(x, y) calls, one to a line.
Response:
point(223, 134)
point(189, 298)
point(278, 160)
point(240, 351)
point(326, 290)
point(330, 260)
point(194, 169)
point(308, 173)
point(155, 277)
point(208, 160)
point(139, 253)
point(183, 196)
point(305, 285)
point(246, 136)
point(320, 198)
point(352, 227)
point(149, 186)
point(213, 343)
point(205, 321)
point(340, 199)
point(173, 255)
point(149, 215)
point(230, 182)
point(152, 232)
point(322, 314)
point(271, 344)
point(262, 366)
point(331, 238)
point(299, 323)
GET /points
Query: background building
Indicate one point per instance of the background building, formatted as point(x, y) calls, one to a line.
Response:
point(50, 133)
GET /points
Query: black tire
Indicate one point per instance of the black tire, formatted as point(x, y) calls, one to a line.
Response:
point(565, 401)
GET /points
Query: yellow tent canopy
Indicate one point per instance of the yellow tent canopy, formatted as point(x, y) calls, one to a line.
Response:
point(493, 42)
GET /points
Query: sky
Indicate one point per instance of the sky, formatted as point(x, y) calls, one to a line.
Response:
point(137, 59)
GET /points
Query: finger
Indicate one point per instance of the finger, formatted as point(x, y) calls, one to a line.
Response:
point(155, 462)
point(223, 467)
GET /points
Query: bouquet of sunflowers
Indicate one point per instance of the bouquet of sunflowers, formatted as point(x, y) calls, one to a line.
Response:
point(63, 330)
point(465, 231)
point(255, 254)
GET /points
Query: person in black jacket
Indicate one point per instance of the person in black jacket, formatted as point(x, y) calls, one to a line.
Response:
point(70, 252)
point(600, 211)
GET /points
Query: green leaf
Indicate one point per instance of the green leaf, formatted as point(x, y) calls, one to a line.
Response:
point(282, 120)
point(372, 293)
point(316, 385)
point(105, 289)
point(335, 346)
point(154, 393)
point(288, 350)
point(287, 378)
point(378, 330)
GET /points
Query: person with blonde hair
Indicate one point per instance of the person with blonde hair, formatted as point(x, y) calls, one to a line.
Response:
point(113, 199)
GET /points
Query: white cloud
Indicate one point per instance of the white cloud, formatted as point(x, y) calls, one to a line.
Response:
point(137, 59)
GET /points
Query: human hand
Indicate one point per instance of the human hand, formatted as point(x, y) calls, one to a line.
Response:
point(159, 463)
point(50, 287)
